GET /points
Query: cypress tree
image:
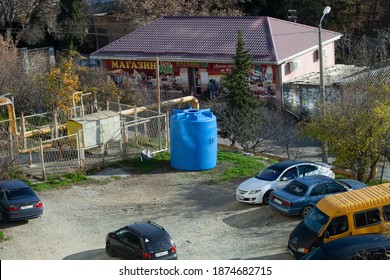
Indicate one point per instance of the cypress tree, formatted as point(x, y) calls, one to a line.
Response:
point(239, 95)
point(72, 23)
point(240, 105)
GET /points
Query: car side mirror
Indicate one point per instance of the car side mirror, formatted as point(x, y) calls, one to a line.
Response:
point(326, 234)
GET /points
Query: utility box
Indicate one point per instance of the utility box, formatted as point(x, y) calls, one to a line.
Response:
point(96, 129)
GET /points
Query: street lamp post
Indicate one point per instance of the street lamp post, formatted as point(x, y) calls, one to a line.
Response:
point(322, 86)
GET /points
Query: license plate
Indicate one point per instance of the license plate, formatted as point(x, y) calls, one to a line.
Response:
point(278, 201)
point(161, 254)
point(26, 207)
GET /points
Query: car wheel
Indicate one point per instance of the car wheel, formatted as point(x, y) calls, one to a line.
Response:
point(266, 197)
point(306, 211)
point(109, 250)
point(4, 218)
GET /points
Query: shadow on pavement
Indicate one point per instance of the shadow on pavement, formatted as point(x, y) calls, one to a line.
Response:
point(96, 254)
point(262, 216)
point(13, 224)
point(281, 256)
point(100, 254)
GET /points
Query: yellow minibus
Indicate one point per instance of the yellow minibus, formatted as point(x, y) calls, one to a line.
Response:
point(356, 212)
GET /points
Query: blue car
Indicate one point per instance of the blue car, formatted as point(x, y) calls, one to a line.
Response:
point(300, 195)
point(18, 201)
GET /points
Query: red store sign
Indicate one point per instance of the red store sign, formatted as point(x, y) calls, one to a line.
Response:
point(258, 73)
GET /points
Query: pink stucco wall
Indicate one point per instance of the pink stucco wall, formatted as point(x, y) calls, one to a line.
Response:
point(308, 63)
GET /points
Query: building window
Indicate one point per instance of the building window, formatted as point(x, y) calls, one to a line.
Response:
point(316, 56)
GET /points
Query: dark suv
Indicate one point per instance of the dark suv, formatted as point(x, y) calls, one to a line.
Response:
point(141, 241)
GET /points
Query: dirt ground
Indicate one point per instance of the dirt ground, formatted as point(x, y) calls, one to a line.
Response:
point(205, 221)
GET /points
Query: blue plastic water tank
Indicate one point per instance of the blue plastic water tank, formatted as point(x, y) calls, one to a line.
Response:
point(194, 142)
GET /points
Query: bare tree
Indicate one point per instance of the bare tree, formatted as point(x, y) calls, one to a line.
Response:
point(365, 50)
point(29, 20)
point(257, 129)
point(25, 89)
point(148, 10)
point(7, 153)
point(284, 131)
point(11, 64)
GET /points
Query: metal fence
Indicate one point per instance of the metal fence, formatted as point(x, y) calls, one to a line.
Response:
point(43, 148)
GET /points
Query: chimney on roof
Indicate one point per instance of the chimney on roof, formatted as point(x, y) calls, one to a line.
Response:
point(292, 15)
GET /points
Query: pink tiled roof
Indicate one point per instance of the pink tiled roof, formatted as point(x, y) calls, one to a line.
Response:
point(269, 40)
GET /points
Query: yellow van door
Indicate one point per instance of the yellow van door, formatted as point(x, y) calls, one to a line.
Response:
point(338, 227)
point(386, 219)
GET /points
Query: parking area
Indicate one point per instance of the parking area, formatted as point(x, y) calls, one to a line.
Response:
point(205, 221)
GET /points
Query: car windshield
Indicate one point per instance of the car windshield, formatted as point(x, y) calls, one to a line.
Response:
point(19, 193)
point(296, 188)
point(268, 174)
point(315, 220)
point(158, 243)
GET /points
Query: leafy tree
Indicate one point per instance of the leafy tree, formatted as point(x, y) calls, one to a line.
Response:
point(62, 81)
point(125, 93)
point(356, 129)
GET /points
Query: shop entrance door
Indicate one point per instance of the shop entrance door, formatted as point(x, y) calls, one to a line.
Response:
point(194, 81)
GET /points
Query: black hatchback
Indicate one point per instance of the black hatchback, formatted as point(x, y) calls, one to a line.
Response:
point(141, 241)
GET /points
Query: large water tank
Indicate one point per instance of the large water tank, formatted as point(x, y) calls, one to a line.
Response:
point(194, 142)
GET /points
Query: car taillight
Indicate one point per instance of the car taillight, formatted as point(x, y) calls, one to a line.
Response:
point(39, 204)
point(286, 203)
point(174, 249)
point(272, 197)
point(146, 255)
point(13, 208)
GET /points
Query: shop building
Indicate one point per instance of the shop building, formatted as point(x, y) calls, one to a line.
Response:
point(194, 52)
